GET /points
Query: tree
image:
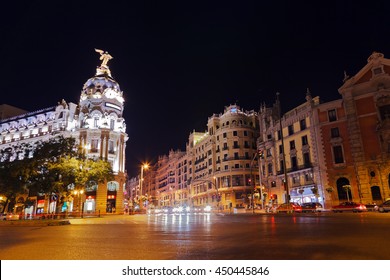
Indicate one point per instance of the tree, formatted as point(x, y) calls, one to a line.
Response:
point(42, 176)
point(48, 167)
point(13, 172)
point(80, 172)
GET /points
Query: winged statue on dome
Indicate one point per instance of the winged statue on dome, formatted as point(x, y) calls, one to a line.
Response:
point(104, 57)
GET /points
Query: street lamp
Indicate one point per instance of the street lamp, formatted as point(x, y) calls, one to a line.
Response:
point(347, 189)
point(259, 153)
point(144, 166)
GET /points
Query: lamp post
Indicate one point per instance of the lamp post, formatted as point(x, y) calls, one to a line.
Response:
point(144, 166)
point(347, 189)
point(252, 183)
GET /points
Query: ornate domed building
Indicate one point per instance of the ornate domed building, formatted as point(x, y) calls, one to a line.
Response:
point(102, 134)
point(99, 128)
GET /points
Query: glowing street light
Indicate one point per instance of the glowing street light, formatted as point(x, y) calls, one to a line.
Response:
point(144, 166)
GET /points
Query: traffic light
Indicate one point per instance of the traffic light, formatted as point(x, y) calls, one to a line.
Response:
point(284, 184)
point(273, 184)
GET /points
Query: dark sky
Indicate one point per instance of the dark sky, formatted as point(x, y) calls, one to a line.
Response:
point(178, 62)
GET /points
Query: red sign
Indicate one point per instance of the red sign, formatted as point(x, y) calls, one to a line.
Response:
point(41, 203)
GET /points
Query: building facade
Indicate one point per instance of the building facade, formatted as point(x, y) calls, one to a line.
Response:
point(358, 153)
point(290, 168)
point(99, 128)
point(317, 152)
point(216, 168)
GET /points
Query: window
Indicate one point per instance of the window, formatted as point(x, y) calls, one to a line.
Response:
point(94, 145)
point(290, 129)
point(225, 146)
point(338, 154)
point(235, 133)
point(332, 115)
point(306, 159)
point(302, 124)
point(280, 149)
point(111, 146)
point(294, 163)
point(268, 153)
point(224, 135)
point(235, 145)
point(384, 112)
point(377, 70)
point(279, 135)
point(236, 156)
point(95, 122)
point(269, 137)
point(112, 124)
point(245, 133)
point(334, 132)
point(376, 193)
point(304, 140)
point(281, 166)
point(292, 145)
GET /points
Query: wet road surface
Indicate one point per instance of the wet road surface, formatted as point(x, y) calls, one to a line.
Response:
point(326, 236)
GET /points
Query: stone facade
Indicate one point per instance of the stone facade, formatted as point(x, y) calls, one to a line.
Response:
point(99, 128)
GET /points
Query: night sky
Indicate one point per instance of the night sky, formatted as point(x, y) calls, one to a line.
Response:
point(179, 62)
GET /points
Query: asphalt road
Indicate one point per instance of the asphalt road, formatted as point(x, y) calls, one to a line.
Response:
point(327, 236)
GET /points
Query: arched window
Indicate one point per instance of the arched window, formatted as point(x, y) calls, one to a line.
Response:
point(376, 193)
point(343, 193)
point(112, 186)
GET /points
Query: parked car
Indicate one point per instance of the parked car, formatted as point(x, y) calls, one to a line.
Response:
point(312, 207)
point(372, 207)
point(289, 207)
point(349, 206)
point(384, 207)
point(11, 217)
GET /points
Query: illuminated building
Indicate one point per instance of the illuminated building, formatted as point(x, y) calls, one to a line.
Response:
point(356, 135)
point(301, 153)
point(171, 188)
point(215, 169)
point(99, 128)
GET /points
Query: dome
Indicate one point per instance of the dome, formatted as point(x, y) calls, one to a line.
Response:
point(100, 83)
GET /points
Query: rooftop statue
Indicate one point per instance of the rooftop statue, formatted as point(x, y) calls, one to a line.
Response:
point(104, 57)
